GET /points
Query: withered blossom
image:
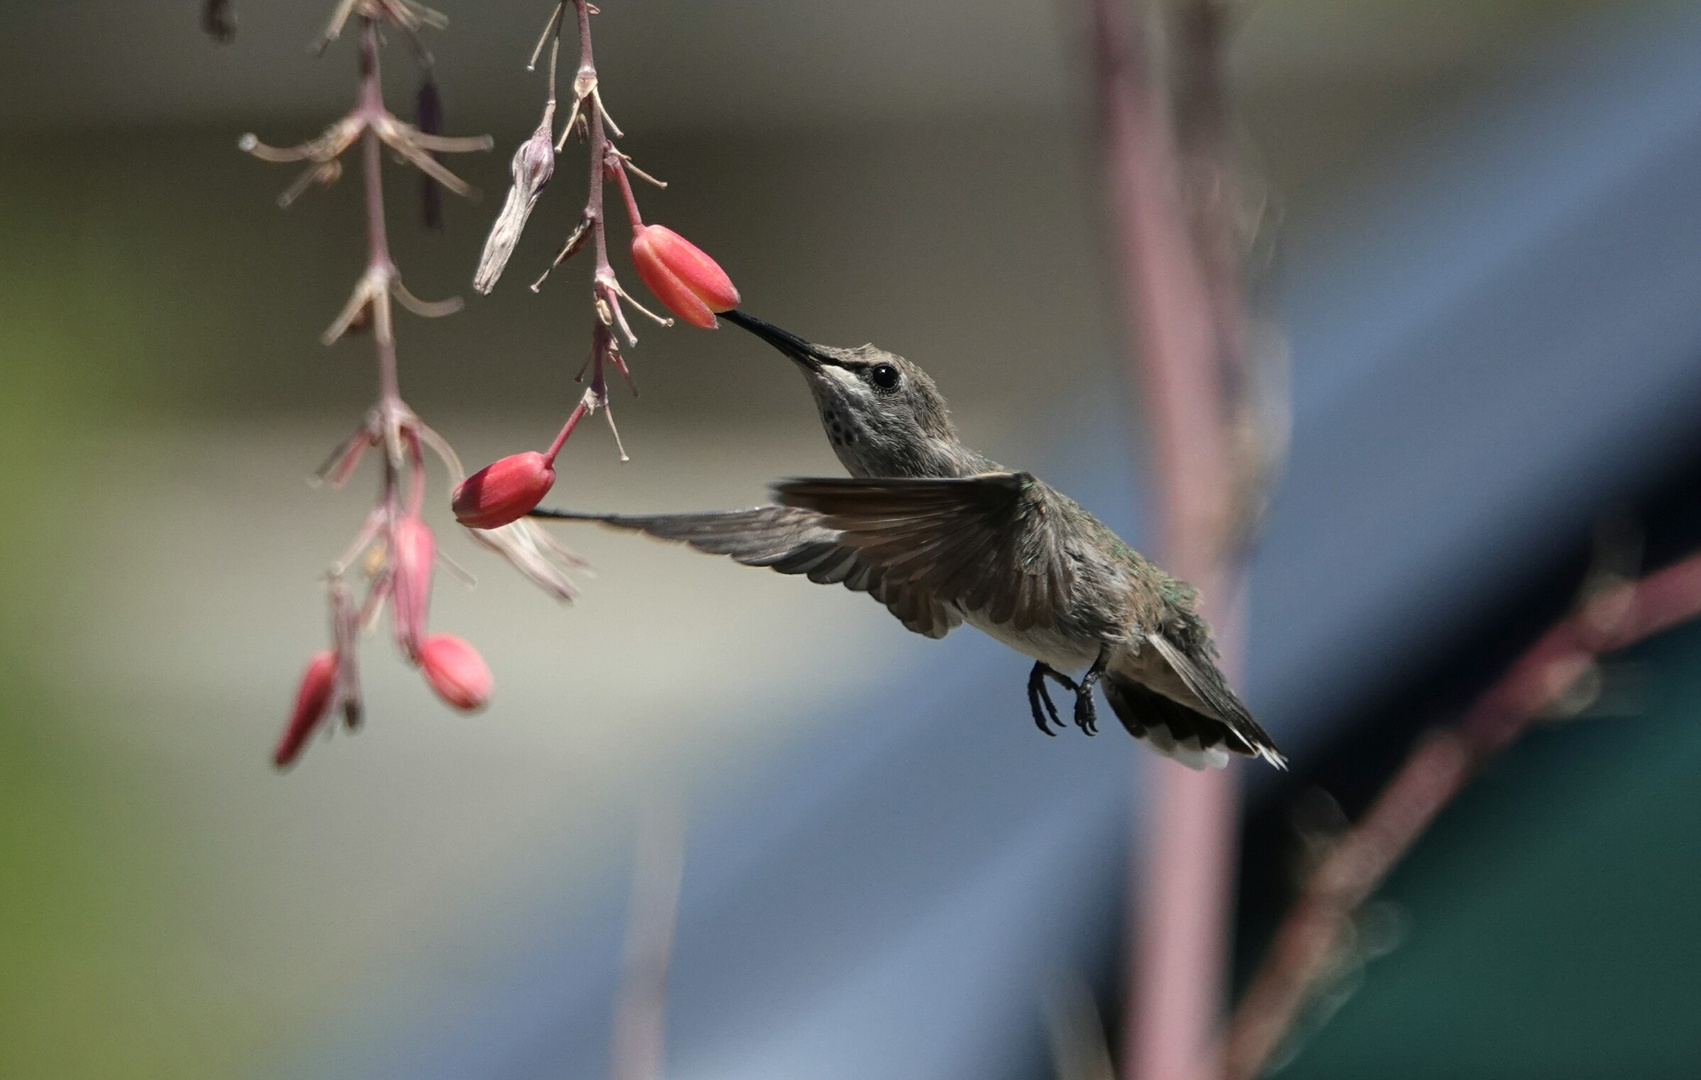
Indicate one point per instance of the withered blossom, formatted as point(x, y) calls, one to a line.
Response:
point(542, 558)
point(533, 164)
point(369, 115)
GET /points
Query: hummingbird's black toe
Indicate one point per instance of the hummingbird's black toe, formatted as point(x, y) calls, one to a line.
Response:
point(1086, 714)
point(1038, 694)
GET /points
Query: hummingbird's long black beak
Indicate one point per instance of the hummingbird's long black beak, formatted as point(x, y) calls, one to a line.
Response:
point(796, 348)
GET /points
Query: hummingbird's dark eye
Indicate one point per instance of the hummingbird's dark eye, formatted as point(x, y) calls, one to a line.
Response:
point(884, 376)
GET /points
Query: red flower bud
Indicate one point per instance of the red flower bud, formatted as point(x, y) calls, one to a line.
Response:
point(682, 277)
point(503, 491)
point(456, 671)
point(410, 588)
point(312, 702)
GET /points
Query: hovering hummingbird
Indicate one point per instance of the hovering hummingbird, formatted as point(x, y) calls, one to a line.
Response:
point(942, 535)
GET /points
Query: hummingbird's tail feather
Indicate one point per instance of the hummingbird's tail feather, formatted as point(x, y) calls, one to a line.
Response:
point(1173, 730)
point(1206, 682)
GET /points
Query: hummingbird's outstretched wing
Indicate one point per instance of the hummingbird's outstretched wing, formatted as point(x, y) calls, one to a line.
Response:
point(987, 543)
point(929, 549)
point(792, 541)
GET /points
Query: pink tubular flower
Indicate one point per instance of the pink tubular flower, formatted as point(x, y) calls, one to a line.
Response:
point(411, 565)
point(690, 283)
point(312, 702)
point(503, 491)
point(456, 671)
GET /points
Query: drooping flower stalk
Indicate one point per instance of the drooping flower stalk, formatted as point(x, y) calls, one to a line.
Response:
point(692, 285)
point(392, 557)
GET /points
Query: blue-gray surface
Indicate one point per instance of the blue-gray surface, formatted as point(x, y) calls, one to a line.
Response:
point(1488, 345)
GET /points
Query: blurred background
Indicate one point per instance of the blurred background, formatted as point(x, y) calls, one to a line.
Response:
point(1483, 242)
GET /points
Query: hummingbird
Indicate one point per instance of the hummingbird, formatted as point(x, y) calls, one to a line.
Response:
point(942, 535)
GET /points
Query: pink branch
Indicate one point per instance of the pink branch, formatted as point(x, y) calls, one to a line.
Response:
point(617, 169)
point(1437, 770)
point(638, 1038)
point(378, 264)
point(1181, 896)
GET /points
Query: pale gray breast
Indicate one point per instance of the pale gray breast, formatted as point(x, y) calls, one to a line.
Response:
point(1046, 644)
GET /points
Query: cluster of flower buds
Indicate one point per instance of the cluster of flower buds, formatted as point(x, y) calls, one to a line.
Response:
point(687, 282)
point(454, 669)
point(397, 554)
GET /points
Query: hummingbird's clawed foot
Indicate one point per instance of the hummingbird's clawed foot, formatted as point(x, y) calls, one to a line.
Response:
point(1038, 695)
point(1086, 713)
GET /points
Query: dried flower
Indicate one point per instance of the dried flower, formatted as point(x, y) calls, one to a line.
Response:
point(312, 702)
point(411, 565)
point(456, 671)
point(542, 558)
point(503, 491)
point(533, 165)
point(692, 285)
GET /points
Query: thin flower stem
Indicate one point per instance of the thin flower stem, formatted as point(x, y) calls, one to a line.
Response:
point(598, 143)
point(416, 474)
point(377, 240)
point(553, 26)
point(578, 414)
point(554, 59)
point(617, 166)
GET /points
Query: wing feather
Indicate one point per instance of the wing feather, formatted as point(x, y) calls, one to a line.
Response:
point(929, 549)
point(982, 543)
point(790, 541)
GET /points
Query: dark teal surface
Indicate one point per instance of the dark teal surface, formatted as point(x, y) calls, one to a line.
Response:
point(1553, 914)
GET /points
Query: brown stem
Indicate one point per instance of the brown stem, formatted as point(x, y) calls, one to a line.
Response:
point(1437, 770)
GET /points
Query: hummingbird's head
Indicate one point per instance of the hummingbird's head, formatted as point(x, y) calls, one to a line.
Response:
point(883, 415)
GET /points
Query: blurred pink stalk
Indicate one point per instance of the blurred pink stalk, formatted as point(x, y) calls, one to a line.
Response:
point(638, 1043)
point(1184, 337)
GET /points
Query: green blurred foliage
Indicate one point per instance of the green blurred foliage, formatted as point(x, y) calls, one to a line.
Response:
point(93, 961)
